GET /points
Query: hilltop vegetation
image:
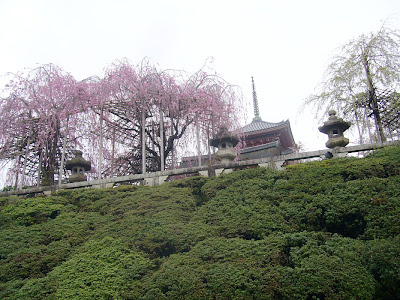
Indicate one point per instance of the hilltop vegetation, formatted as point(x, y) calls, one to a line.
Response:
point(320, 230)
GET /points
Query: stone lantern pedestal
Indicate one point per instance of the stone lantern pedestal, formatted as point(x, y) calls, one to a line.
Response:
point(334, 128)
point(78, 167)
point(225, 142)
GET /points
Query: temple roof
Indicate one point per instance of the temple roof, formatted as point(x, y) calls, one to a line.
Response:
point(258, 124)
point(274, 144)
point(261, 125)
point(259, 128)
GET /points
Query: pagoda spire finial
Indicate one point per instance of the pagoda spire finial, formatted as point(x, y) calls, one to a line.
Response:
point(255, 103)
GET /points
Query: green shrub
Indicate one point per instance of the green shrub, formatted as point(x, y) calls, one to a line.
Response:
point(383, 262)
point(322, 267)
point(215, 268)
point(105, 269)
point(320, 230)
point(31, 211)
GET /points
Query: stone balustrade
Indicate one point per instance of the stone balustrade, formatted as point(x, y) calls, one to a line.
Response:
point(155, 178)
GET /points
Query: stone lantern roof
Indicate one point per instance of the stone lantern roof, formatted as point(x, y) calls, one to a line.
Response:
point(224, 136)
point(334, 127)
point(334, 122)
point(78, 161)
point(78, 167)
point(225, 141)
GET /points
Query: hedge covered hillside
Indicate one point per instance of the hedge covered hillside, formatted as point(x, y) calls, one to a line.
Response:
point(320, 230)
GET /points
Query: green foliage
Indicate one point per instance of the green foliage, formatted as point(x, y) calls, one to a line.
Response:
point(246, 209)
point(31, 211)
point(195, 184)
point(105, 269)
point(324, 268)
point(226, 268)
point(153, 219)
point(216, 184)
point(8, 188)
point(32, 252)
point(320, 230)
point(383, 260)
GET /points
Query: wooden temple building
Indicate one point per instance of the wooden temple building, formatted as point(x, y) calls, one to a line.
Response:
point(259, 139)
point(265, 139)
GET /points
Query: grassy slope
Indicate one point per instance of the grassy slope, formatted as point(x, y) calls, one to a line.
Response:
point(327, 230)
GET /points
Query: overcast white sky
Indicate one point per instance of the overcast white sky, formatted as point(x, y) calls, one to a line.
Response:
point(285, 45)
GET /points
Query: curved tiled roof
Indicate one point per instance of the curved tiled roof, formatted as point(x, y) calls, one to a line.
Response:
point(261, 125)
point(274, 144)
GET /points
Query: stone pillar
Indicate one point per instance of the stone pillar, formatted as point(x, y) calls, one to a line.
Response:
point(204, 173)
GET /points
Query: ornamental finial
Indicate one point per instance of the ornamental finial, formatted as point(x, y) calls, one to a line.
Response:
point(255, 103)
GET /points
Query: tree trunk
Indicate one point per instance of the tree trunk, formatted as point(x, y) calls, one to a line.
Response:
point(198, 139)
point(377, 117)
point(373, 102)
point(172, 150)
point(25, 161)
point(39, 177)
point(143, 138)
point(360, 135)
point(63, 155)
point(162, 156)
point(113, 153)
point(50, 167)
point(100, 145)
point(366, 120)
point(18, 168)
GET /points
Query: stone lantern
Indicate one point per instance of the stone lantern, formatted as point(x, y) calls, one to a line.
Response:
point(225, 142)
point(334, 128)
point(78, 167)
